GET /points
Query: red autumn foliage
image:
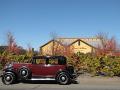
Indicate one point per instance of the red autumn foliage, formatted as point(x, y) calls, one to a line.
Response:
point(12, 46)
point(64, 50)
point(108, 46)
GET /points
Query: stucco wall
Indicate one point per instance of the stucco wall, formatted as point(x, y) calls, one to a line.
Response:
point(47, 49)
point(53, 47)
point(84, 48)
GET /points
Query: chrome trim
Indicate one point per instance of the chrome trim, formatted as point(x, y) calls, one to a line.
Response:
point(42, 79)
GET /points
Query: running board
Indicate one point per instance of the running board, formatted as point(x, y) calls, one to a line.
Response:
point(42, 79)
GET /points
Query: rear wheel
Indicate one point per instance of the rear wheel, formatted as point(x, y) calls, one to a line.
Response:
point(8, 78)
point(63, 78)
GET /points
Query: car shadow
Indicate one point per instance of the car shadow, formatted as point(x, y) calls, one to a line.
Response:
point(44, 82)
point(39, 82)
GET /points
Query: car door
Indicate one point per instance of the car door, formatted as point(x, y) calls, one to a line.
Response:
point(51, 68)
point(37, 67)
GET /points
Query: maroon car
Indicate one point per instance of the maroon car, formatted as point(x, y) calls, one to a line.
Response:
point(40, 68)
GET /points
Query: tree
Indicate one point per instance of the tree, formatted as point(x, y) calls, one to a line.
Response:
point(108, 45)
point(11, 43)
point(30, 51)
point(3, 48)
point(60, 47)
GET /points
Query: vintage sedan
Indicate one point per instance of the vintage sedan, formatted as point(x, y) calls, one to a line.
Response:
point(40, 68)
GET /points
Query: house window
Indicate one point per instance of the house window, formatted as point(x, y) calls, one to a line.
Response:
point(78, 43)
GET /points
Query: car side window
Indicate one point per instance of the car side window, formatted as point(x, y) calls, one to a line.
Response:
point(40, 61)
point(62, 61)
point(53, 61)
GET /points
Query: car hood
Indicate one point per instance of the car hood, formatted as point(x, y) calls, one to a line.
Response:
point(17, 65)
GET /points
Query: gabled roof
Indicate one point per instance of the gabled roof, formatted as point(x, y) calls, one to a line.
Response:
point(52, 41)
point(93, 42)
point(81, 41)
point(66, 41)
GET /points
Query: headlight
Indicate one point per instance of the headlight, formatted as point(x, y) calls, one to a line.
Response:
point(8, 66)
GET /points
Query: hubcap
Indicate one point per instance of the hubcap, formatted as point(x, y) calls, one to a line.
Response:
point(63, 78)
point(23, 72)
point(8, 78)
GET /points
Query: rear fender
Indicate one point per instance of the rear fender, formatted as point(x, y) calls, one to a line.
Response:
point(62, 71)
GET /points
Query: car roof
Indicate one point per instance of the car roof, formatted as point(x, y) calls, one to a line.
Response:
point(48, 57)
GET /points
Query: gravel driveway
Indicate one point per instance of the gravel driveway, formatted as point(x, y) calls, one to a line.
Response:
point(84, 83)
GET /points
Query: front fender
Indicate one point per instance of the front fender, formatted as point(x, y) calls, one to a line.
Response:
point(9, 71)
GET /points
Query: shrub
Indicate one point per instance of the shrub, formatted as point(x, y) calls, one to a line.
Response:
point(105, 66)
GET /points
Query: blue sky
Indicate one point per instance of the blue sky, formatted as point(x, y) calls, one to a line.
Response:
point(32, 21)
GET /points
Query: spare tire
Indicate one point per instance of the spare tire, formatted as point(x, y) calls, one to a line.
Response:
point(24, 73)
point(70, 69)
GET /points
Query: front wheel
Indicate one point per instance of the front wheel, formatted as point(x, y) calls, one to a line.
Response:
point(8, 78)
point(63, 78)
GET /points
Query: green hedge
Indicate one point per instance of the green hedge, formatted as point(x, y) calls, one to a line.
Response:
point(6, 57)
point(105, 65)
